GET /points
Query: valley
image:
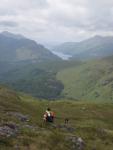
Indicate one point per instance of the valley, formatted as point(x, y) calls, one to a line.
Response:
point(80, 90)
point(56, 75)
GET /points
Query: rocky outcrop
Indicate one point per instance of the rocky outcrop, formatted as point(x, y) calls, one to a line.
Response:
point(21, 117)
point(77, 142)
point(8, 130)
point(12, 129)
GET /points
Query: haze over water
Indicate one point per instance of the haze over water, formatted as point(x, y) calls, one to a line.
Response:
point(61, 55)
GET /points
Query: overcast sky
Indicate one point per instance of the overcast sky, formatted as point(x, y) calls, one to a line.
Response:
point(52, 21)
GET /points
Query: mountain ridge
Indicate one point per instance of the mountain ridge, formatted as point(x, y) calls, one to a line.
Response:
point(14, 47)
point(95, 47)
point(9, 34)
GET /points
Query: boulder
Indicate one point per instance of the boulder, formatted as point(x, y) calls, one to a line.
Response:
point(8, 130)
point(77, 142)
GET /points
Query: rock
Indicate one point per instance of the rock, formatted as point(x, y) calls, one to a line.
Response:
point(11, 125)
point(8, 130)
point(80, 143)
point(84, 108)
point(70, 129)
point(106, 82)
point(77, 142)
point(21, 117)
point(17, 147)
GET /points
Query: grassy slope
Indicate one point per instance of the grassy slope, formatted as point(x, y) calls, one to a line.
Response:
point(89, 120)
point(27, 139)
point(38, 79)
point(92, 80)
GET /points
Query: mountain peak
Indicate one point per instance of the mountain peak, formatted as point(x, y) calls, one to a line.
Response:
point(12, 35)
point(97, 37)
point(15, 47)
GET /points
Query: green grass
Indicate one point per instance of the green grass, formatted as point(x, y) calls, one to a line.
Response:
point(92, 121)
point(39, 77)
point(92, 80)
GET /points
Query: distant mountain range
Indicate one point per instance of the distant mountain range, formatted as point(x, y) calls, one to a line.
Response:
point(14, 48)
point(31, 68)
point(95, 47)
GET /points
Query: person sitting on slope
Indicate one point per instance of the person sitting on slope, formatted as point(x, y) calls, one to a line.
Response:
point(49, 116)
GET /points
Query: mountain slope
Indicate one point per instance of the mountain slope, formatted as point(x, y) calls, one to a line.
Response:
point(95, 47)
point(37, 79)
point(18, 48)
point(66, 48)
point(22, 127)
point(21, 124)
point(92, 80)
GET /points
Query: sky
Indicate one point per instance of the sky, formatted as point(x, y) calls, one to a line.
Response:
point(57, 21)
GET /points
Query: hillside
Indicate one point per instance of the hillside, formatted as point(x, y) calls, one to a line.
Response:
point(95, 47)
point(22, 127)
point(37, 79)
point(66, 48)
point(19, 48)
point(92, 80)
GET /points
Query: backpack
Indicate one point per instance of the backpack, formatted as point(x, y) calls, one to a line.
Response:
point(49, 117)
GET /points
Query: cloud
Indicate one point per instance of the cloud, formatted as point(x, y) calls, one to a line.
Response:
point(8, 24)
point(57, 20)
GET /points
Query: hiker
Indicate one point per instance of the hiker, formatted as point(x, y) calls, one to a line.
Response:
point(49, 116)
